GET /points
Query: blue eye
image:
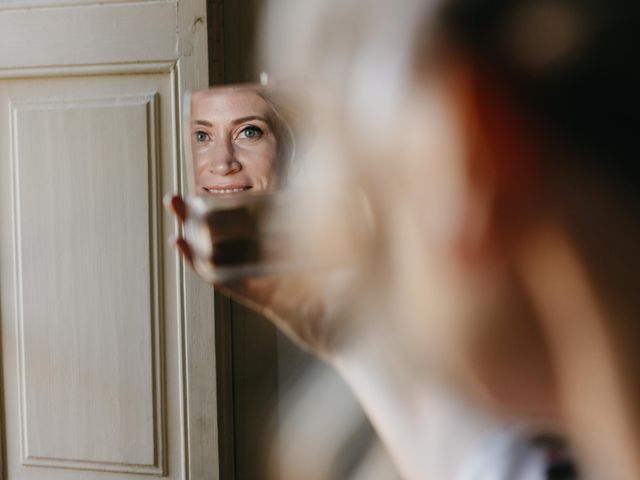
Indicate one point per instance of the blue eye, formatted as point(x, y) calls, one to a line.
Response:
point(251, 133)
point(200, 136)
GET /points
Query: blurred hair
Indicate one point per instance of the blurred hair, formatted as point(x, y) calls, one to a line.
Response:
point(281, 119)
point(570, 65)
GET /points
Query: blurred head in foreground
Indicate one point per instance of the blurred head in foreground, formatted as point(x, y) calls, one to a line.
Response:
point(495, 144)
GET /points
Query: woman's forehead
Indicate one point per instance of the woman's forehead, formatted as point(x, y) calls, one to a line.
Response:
point(222, 105)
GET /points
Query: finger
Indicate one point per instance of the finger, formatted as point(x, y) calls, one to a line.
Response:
point(175, 204)
point(183, 247)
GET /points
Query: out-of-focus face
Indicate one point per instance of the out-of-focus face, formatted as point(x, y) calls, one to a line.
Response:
point(443, 282)
point(233, 142)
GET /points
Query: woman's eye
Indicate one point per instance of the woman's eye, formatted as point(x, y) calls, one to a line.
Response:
point(251, 133)
point(201, 136)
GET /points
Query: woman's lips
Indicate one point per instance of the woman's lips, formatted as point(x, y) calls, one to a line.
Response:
point(221, 189)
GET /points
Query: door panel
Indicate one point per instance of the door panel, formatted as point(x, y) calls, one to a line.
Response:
point(84, 360)
point(87, 297)
point(88, 35)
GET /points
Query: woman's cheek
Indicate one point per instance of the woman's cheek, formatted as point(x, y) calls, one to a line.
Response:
point(263, 165)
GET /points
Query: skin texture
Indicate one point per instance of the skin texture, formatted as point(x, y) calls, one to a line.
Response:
point(233, 143)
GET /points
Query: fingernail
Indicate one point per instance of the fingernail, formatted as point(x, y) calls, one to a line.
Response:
point(167, 200)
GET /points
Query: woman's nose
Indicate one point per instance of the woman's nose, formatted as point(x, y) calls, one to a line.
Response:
point(223, 160)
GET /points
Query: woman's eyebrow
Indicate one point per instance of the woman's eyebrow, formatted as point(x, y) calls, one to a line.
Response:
point(236, 121)
point(251, 117)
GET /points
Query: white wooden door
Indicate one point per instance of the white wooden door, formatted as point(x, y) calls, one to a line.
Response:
point(96, 309)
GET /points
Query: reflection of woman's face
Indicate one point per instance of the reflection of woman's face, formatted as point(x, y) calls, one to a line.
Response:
point(233, 142)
